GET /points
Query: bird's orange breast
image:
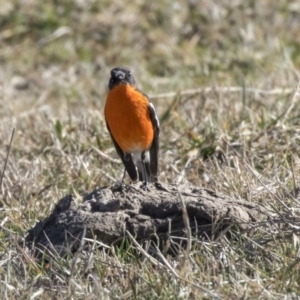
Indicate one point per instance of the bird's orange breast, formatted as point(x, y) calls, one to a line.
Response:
point(127, 115)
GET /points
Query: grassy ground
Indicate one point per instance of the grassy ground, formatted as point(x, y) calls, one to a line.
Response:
point(239, 135)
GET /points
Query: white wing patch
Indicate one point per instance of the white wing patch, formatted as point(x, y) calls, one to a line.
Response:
point(154, 114)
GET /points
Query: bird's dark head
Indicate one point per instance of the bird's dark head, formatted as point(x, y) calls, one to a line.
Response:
point(120, 75)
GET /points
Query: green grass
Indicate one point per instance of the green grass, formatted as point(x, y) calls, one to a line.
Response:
point(241, 137)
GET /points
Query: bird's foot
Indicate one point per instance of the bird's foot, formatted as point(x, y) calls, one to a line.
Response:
point(145, 186)
point(119, 187)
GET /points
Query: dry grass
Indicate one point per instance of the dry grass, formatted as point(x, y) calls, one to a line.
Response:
point(55, 62)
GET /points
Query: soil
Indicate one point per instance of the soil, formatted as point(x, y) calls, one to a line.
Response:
point(108, 214)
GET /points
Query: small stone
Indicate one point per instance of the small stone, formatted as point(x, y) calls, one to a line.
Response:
point(19, 83)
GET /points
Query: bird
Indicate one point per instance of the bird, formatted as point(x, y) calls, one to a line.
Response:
point(133, 125)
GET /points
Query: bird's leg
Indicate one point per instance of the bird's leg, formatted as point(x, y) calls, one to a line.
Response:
point(123, 178)
point(126, 158)
point(145, 183)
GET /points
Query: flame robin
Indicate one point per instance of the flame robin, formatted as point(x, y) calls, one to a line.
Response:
point(133, 126)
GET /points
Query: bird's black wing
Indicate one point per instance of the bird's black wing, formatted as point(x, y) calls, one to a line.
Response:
point(126, 159)
point(154, 149)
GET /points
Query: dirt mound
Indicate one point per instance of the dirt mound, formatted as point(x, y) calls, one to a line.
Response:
point(109, 213)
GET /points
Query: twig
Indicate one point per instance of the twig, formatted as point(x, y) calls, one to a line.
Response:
point(186, 224)
point(165, 261)
point(76, 254)
point(260, 181)
point(294, 182)
point(203, 289)
point(108, 176)
point(140, 248)
point(233, 89)
point(116, 161)
point(97, 242)
point(292, 103)
point(182, 173)
point(5, 162)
